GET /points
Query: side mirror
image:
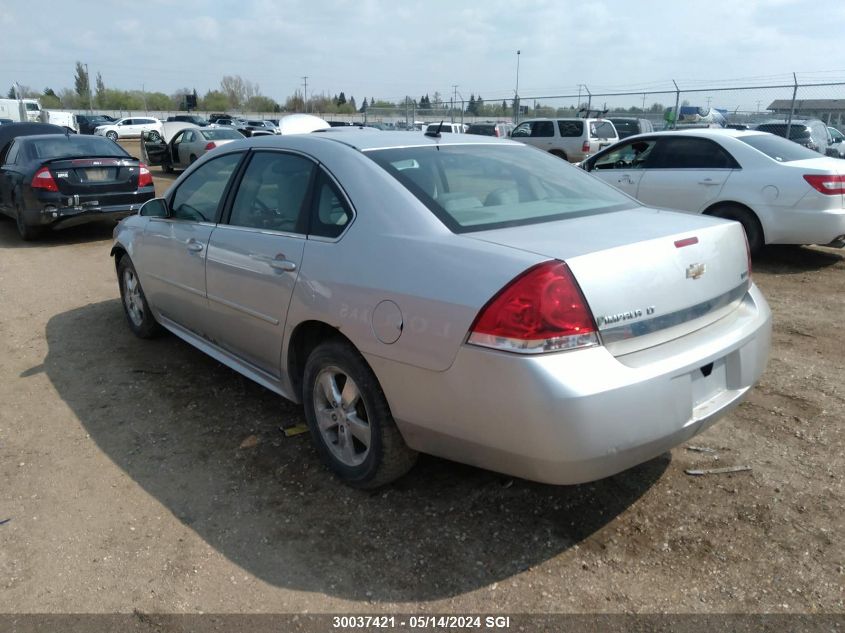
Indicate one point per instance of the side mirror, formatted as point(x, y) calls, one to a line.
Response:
point(155, 208)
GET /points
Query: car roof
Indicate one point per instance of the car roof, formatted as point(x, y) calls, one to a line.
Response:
point(11, 131)
point(364, 139)
point(702, 131)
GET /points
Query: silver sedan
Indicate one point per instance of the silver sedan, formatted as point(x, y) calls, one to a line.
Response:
point(467, 297)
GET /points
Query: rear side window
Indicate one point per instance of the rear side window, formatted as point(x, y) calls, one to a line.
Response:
point(570, 128)
point(331, 213)
point(796, 131)
point(685, 152)
point(602, 129)
point(200, 194)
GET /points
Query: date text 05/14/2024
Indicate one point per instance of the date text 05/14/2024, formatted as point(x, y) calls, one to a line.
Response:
point(421, 622)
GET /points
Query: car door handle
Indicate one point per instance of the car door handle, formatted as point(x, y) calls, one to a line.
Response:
point(709, 182)
point(194, 246)
point(279, 262)
point(626, 180)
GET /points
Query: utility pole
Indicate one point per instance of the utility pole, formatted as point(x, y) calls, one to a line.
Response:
point(516, 92)
point(305, 93)
point(88, 79)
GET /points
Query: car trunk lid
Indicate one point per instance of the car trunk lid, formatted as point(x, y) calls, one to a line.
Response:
point(649, 276)
point(83, 176)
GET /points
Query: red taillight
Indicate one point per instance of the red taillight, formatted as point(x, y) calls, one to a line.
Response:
point(828, 184)
point(145, 178)
point(210, 145)
point(747, 252)
point(542, 310)
point(43, 179)
point(585, 147)
point(496, 132)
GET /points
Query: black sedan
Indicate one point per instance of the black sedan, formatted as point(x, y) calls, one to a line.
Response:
point(60, 180)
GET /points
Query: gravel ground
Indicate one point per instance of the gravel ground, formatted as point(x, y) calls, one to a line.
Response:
point(144, 475)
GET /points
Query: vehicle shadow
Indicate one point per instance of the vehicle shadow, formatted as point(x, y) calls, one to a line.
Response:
point(91, 232)
point(175, 420)
point(790, 260)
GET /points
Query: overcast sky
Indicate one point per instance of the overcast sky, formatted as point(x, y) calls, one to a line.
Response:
point(370, 48)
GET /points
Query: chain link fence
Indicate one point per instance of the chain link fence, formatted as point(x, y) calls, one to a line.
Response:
point(718, 105)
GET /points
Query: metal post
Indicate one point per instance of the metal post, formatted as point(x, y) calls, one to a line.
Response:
point(589, 99)
point(677, 103)
point(88, 79)
point(516, 92)
point(792, 107)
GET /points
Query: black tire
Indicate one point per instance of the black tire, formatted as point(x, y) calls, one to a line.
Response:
point(167, 168)
point(192, 159)
point(559, 154)
point(387, 457)
point(111, 135)
point(749, 221)
point(26, 231)
point(135, 307)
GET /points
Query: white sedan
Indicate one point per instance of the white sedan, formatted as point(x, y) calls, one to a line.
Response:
point(128, 127)
point(780, 192)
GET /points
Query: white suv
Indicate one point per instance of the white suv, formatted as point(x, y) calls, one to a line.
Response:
point(572, 139)
point(130, 127)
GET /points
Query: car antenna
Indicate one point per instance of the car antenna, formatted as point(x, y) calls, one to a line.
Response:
point(436, 133)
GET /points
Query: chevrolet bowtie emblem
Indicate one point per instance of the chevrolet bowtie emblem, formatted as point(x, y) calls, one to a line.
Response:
point(694, 271)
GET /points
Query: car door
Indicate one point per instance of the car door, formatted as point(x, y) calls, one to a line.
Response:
point(154, 150)
point(10, 176)
point(185, 147)
point(623, 165)
point(172, 251)
point(255, 255)
point(686, 173)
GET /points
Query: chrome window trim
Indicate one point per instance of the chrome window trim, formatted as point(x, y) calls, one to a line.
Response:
point(664, 321)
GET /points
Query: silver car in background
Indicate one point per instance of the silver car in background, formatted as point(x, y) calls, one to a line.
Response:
point(177, 145)
point(462, 296)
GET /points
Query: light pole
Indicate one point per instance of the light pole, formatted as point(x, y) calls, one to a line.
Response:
point(516, 92)
point(88, 80)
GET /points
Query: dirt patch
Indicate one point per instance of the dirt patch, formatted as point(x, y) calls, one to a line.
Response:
point(144, 475)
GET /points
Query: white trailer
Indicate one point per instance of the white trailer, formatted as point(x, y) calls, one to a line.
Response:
point(20, 109)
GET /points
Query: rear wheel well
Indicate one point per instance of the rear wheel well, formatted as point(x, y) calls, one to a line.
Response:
point(559, 153)
point(303, 340)
point(746, 216)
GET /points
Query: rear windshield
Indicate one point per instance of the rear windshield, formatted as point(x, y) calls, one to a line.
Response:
point(488, 130)
point(796, 131)
point(778, 148)
point(473, 188)
point(602, 129)
point(76, 146)
point(220, 134)
point(627, 127)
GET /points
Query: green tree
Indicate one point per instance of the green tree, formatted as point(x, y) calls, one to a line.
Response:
point(50, 99)
point(157, 101)
point(260, 103)
point(341, 99)
point(215, 101)
point(351, 104)
point(364, 106)
point(11, 94)
point(81, 82)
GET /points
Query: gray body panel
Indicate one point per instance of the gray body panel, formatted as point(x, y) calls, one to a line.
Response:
point(560, 417)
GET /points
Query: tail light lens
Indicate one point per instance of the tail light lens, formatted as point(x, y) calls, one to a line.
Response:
point(542, 310)
point(44, 180)
point(145, 178)
point(496, 132)
point(828, 184)
point(210, 145)
point(585, 146)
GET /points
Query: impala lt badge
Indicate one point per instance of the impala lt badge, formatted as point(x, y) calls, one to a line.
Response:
point(694, 271)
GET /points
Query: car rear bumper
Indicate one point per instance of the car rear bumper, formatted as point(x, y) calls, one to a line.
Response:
point(60, 211)
point(572, 417)
point(805, 226)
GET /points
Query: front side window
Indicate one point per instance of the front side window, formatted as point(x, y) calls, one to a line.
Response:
point(627, 156)
point(472, 188)
point(534, 129)
point(272, 193)
point(200, 195)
